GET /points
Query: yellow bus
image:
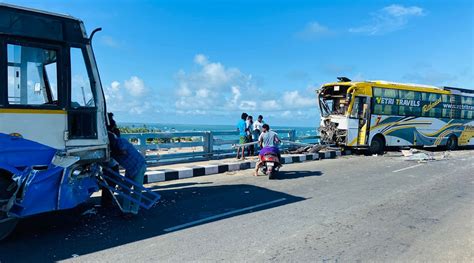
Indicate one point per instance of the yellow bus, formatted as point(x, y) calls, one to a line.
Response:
point(375, 114)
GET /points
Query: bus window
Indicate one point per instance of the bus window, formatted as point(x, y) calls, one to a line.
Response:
point(360, 108)
point(411, 98)
point(355, 108)
point(446, 114)
point(468, 110)
point(81, 89)
point(431, 105)
point(32, 76)
point(409, 111)
point(385, 109)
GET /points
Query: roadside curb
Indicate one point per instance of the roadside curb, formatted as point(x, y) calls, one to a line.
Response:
point(202, 170)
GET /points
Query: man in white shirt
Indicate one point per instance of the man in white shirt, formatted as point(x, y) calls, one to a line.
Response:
point(257, 127)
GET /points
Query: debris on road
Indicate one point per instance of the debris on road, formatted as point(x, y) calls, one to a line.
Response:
point(423, 156)
point(308, 149)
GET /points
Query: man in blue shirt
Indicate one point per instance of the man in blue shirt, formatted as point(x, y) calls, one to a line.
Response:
point(242, 129)
point(134, 164)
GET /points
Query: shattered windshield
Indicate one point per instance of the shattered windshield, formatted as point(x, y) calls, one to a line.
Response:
point(326, 106)
point(333, 101)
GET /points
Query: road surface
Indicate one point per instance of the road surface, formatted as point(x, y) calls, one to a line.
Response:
point(354, 208)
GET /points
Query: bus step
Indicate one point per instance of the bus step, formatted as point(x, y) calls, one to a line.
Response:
point(119, 185)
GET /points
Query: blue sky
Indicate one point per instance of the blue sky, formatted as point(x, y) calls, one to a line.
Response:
point(205, 62)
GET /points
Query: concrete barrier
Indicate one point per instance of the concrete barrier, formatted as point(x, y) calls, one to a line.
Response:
point(208, 169)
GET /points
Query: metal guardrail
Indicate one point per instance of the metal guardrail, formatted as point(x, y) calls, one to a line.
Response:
point(175, 147)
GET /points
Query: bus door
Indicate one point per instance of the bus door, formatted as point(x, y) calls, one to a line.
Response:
point(362, 108)
point(82, 112)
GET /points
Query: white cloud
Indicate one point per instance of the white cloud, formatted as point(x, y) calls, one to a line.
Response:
point(314, 30)
point(236, 94)
point(388, 19)
point(398, 10)
point(212, 87)
point(135, 86)
point(129, 97)
point(293, 99)
point(270, 105)
point(248, 105)
point(201, 59)
point(286, 114)
point(115, 86)
point(220, 92)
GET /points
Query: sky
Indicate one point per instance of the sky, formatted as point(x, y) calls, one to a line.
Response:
point(206, 62)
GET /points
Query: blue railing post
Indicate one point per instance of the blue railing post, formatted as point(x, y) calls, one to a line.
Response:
point(208, 144)
point(143, 144)
point(292, 135)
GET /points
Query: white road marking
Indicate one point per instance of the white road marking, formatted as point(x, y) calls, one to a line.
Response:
point(223, 215)
point(406, 168)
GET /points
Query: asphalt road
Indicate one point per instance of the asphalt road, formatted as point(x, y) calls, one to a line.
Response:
point(357, 208)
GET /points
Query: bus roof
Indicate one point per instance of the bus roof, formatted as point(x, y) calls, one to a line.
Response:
point(26, 22)
point(404, 86)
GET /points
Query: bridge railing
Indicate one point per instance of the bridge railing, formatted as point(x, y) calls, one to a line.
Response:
point(175, 147)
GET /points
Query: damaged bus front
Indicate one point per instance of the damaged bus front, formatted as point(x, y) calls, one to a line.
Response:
point(344, 109)
point(52, 115)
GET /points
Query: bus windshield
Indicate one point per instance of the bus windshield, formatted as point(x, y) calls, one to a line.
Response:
point(333, 101)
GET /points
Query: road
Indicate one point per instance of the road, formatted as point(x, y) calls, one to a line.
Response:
point(355, 208)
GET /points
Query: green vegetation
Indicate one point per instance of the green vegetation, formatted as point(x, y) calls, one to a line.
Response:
point(145, 129)
point(142, 129)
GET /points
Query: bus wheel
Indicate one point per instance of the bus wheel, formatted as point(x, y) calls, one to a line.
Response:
point(377, 145)
point(7, 224)
point(452, 143)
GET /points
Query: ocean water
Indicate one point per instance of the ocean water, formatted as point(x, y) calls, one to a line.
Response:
point(300, 131)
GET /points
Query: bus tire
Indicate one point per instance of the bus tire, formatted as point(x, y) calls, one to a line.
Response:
point(452, 143)
point(7, 224)
point(377, 145)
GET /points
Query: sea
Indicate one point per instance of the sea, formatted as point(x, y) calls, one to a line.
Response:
point(300, 131)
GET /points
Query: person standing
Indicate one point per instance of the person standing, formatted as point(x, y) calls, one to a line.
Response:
point(242, 129)
point(112, 125)
point(257, 127)
point(249, 124)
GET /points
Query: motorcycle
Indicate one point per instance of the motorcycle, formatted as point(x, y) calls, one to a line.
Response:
point(270, 165)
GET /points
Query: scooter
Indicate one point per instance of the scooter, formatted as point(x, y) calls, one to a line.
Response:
point(270, 165)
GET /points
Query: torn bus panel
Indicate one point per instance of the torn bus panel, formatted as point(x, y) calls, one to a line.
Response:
point(42, 184)
point(334, 103)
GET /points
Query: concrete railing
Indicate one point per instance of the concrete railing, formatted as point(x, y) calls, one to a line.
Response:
point(175, 147)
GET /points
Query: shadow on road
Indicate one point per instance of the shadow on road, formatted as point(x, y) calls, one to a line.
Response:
point(285, 175)
point(60, 235)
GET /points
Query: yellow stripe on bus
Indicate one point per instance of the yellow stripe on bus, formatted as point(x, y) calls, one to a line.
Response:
point(32, 111)
point(400, 123)
point(397, 128)
point(447, 126)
